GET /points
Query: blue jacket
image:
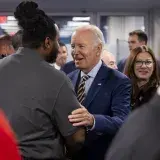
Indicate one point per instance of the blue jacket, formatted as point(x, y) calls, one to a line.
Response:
point(108, 99)
point(68, 67)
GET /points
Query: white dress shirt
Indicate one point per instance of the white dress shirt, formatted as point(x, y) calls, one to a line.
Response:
point(55, 65)
point(88, 83)
point(92, 75)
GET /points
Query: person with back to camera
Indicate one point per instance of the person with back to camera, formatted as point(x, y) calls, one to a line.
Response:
point(38, 98)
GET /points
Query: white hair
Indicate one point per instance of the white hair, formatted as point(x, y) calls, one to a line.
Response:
point(99, 38)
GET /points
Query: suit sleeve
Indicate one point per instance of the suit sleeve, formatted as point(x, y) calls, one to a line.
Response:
point(120, 108)
point(66, 102)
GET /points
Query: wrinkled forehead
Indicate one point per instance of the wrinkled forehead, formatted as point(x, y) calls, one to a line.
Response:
point(83, 36)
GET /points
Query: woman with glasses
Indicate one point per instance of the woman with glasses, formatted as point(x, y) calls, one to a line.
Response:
point(141, 68)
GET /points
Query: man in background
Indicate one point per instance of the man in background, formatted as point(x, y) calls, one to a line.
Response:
point(136, 38)
point(61, 57)
point(109, 59)
point(6, 47)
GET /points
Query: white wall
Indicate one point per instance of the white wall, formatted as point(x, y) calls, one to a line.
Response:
point(118, 28)
point(156, 33)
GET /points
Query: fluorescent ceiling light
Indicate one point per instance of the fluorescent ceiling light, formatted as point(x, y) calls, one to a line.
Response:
point(11, 18)
point(81, 19)
point(75, 24)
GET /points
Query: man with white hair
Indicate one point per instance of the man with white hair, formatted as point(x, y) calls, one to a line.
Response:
point(109, 59)
point(104, 93)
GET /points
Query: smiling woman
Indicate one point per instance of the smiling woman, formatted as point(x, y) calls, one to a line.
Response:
point(141, 68)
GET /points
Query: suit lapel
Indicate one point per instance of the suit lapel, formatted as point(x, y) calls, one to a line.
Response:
point(75, 78)
point(96, 85)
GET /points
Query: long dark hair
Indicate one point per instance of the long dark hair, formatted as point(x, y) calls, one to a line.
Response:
point(129, 70)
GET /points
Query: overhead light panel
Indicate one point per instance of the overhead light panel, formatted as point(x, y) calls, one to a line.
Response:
point(81, 19)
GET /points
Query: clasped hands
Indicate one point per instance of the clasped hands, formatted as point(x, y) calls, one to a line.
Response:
point(81, 117)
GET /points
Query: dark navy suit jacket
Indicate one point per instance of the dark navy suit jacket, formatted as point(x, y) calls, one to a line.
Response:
point(121, 65)
point(108, 99)
point(68, 67)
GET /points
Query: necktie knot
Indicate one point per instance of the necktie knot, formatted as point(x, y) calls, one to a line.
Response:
point(85, 78)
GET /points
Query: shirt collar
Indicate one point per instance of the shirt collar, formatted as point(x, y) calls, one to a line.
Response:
point(94, 71)
point(55, 65)
point(158, 91)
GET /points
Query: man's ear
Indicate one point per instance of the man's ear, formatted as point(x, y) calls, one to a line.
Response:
point(47, 43)
point(99, 49)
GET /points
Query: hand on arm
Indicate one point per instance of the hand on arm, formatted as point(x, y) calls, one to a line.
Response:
point(81, 117)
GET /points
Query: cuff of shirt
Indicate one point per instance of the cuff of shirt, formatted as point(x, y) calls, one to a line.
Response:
point(94, 123)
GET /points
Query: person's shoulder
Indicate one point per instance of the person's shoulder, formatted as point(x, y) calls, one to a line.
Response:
point(7, 60)
point(55, 73)
point(122, 61)
point(144, 115)
point(69, 63)
point(68, 67)
point(73, 73)
point(120, 75)
point(115, 74)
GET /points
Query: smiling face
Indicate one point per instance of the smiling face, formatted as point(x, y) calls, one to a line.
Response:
point(143, 66)
point(62, 56)
point(86, 52)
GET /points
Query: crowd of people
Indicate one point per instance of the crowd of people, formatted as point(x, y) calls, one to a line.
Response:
point(87, 109)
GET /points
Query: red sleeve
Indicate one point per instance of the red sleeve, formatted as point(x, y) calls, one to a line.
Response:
point(8, 147)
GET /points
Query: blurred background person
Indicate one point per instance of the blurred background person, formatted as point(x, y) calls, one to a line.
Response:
point(17, 40)
point(61, 57)
point(8, 147)
point(138, 138)
point(6, 47)
point(136, 38)
point(109, 59)
point(69, 66)
point(141, 68)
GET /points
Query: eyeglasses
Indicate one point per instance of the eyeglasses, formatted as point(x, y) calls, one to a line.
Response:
point(147, 63)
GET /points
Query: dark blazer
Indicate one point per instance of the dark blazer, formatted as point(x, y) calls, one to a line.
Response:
point(143, 97)
point(121, 65)
point(138, 139)
point(108, 99)
point(68, 67)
